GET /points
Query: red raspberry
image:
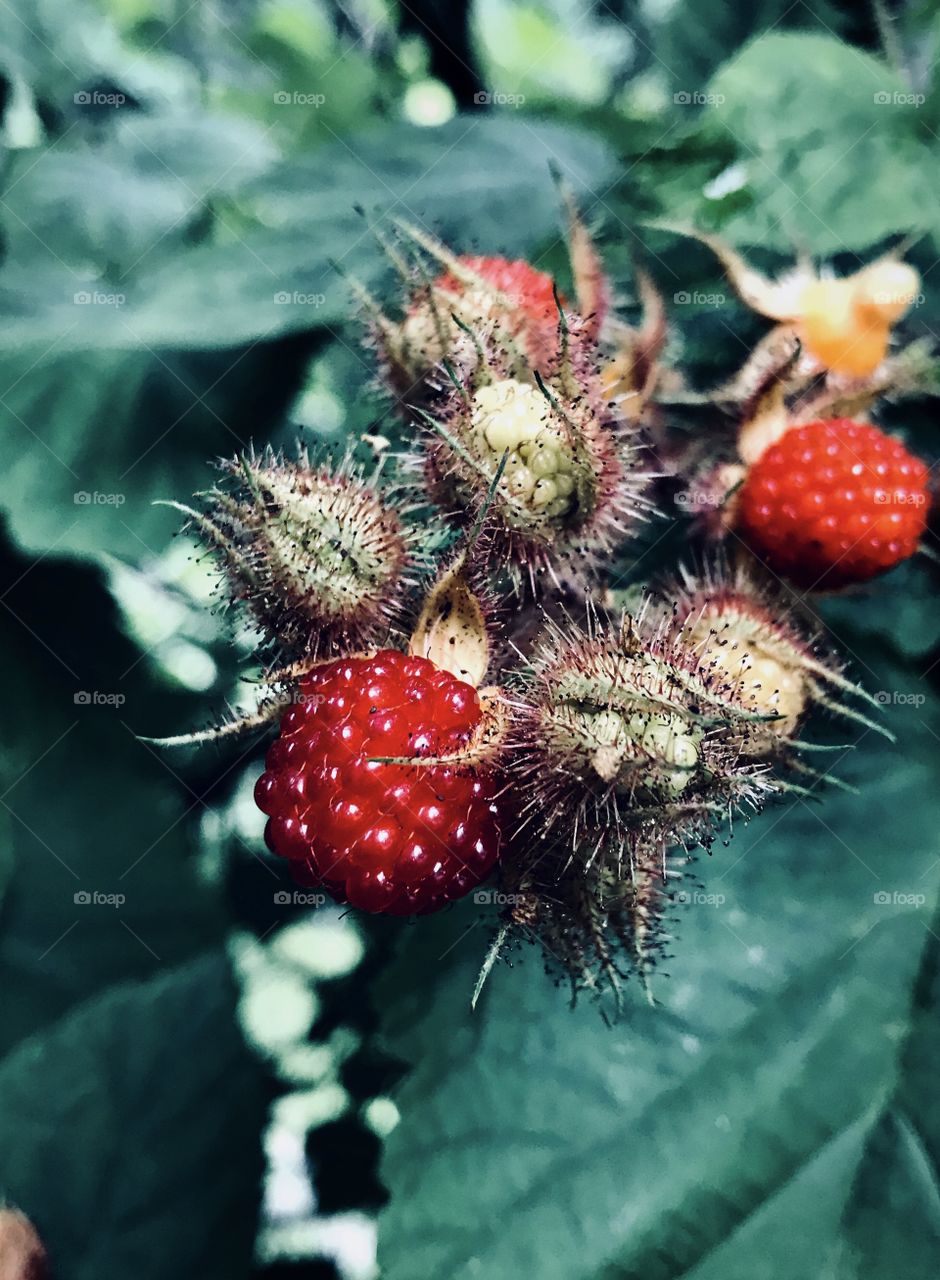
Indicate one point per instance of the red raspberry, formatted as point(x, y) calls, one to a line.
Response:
point(834, 502)
point(383, 837)
point(531, 317)
point(532, 291)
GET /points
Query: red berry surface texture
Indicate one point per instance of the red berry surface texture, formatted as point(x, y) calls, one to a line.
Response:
point(834, 503)
point(384, 837)
point(531, 292)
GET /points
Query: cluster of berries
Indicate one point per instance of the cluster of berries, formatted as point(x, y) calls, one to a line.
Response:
point(584, 761)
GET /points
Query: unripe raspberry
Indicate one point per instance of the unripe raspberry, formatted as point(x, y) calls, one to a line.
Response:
point(757, 658)
point(510, 301)
point(757, 665)
point(452, 300)
point(540, 469)
point(318, 555)
point(486, 294)
point(760, 656)
point(571, 489)
point(630, 731)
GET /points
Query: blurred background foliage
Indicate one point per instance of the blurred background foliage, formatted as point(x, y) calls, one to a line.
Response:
point(198, 1079)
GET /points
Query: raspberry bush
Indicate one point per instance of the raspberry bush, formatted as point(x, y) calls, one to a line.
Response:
point(561, 599)
point(612, 741)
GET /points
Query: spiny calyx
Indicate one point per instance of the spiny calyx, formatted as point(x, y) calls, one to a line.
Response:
point(542, 452)
point(316, 553)
point(449, 297)
point(623, 731)
point(512, 299)
point(761, 656)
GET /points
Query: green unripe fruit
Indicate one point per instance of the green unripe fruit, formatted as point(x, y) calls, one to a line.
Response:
point(317, 555)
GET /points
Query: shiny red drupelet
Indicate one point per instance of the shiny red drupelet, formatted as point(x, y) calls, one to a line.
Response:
point(532, 318)
point(532, 291)
point(833, 503)
point(383, 837)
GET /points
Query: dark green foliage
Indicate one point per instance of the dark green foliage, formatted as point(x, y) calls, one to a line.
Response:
point(182, 189)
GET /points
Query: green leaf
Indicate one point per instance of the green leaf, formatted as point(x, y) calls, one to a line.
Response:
point(130, 1131)
point(139, 193)
point(123, 383)
point(467, 180)
point(711, 1127)
point(894, 1212)
point(103, 884)
point(695, 41)
point(833, 152)
point(95, 440)
point(63, 50)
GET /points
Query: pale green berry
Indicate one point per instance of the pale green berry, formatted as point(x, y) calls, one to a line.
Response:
point(762, 675)
point(675, 743)
point(515, 417)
